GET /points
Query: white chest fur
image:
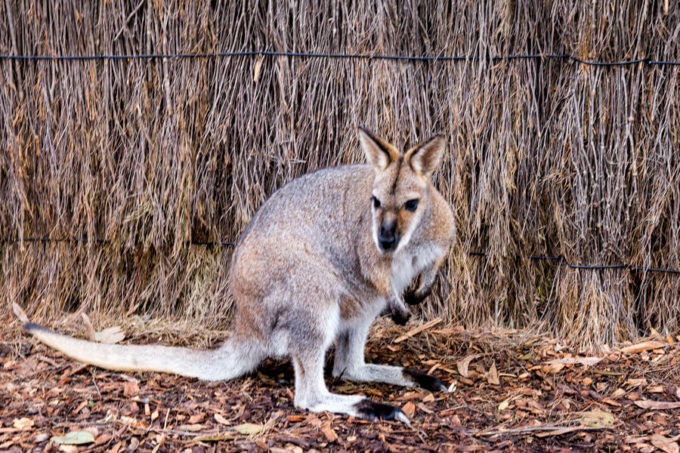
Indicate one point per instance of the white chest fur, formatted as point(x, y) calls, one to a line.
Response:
point(408, 263)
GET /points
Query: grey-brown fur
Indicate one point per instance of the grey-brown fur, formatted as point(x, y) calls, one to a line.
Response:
point(315, 266)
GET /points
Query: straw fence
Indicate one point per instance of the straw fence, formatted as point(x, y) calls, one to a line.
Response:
point(139, 157)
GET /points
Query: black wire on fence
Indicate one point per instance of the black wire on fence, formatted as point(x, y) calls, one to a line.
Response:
point(560, 258)
point(563, 260)
point(357, 56)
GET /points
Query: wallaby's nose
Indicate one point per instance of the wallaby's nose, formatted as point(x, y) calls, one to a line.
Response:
point(387, 236)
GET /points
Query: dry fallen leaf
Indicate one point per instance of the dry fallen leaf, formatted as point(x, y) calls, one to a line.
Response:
point(665, 444)
point(585, 361)
point(196, 418)
point(249, 429)
point(409, 409)
point(644, 346)
point(618, 393)
point(219, 418)
point(492, 375)
point(636, 382)
point(597, 417)
point(22, 423)
point(74, 438)
point(463, 365)
point(649, 404)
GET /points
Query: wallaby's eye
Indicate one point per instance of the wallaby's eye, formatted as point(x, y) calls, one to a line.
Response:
point(376, 202)
point(411, 205)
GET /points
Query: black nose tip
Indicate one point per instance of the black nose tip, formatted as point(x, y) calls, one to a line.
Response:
point(388, 245)
point(387, 241)
point(387, 236)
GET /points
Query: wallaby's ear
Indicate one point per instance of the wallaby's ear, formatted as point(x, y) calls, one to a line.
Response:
point(425, 157)
point(378, 152)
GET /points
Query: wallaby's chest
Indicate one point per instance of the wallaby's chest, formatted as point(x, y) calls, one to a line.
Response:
point(409, 263)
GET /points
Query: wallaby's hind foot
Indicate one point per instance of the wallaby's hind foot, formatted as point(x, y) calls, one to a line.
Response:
point(354, 405)
point(311, 393)
point(424, 380)
point(374, 411)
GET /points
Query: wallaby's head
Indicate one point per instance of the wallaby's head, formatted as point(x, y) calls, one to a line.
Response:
point(401, 189)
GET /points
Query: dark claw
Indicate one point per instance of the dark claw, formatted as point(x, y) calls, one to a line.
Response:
point(413, 298)
point(374, 411)
point(424, 380)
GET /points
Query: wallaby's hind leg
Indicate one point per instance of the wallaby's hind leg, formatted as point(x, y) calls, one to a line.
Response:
point(307, 348)
point(311, 393)
point(349, 364)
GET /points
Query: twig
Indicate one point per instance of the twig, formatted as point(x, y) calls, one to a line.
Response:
point(551, 427)
point(418, 329)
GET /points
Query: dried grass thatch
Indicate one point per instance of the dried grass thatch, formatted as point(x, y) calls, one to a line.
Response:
point(546, 157)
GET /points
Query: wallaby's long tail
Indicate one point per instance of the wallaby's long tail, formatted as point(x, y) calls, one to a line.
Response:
point(226, 362)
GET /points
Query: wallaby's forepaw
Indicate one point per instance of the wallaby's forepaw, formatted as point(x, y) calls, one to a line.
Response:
point(424, 380)
point(414, 298)
point(400, 317)
point(380, 411)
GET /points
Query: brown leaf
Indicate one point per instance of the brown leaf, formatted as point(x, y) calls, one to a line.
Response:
point(618, 393)
point(196, 418)
point(492, 375)
point(636, 382)
point(644, 346)
point(250, 429)
point(409, 409)
point(219, 418)
point(665, 444)
point(649, 404)
point(22, 423)
point(597, 417)
point(464, 364)
point(585, 361)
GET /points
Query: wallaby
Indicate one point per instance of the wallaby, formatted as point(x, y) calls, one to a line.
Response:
point(319, 261)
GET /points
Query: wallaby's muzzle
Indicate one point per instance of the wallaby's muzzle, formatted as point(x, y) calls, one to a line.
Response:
point(388, 238)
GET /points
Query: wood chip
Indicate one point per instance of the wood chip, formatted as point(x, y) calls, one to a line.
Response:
point(328, 432)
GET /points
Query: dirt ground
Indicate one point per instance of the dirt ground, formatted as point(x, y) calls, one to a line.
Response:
point(510, 391)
